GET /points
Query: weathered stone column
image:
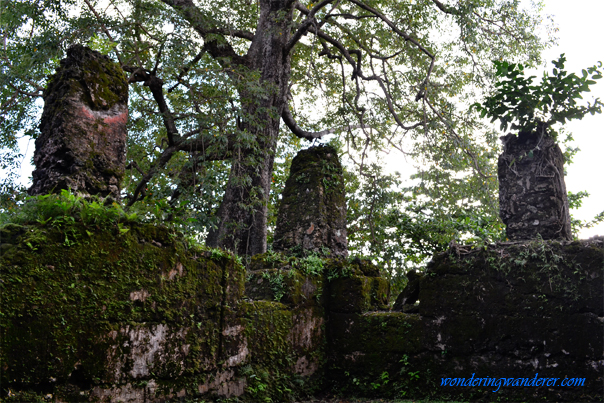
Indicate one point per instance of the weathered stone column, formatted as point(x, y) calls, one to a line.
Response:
point(82, 145)
point(532, 193)
point(312, 214)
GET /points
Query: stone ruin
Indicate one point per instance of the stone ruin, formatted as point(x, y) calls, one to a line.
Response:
point(82, 144)
point(532, 195)
point(312, 214)
point(175, 322)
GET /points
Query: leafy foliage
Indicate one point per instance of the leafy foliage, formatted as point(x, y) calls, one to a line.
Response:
point(65, 208)
point(400, 227)
point(356, 72)
point(517, 101)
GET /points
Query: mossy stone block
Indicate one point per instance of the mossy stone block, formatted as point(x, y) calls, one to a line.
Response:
point(108, 302)
point(268, 325)
point(82, 142)
point(357, 294)
point(286, 286)
point(312, 211)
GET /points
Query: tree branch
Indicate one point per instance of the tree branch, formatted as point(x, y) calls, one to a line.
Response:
point(98, 17)
point(445, 9)
point(166, 155)
point(22, 92)
point(236, 33)
point(365, 7)
point(465, 150)
point(155, 84)
point(219, 48)
point(303, 28)
point(288, 119)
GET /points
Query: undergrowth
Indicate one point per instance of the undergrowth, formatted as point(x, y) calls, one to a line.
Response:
point(66, 208)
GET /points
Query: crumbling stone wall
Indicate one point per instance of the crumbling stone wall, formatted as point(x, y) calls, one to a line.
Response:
point(532, 194)
point(514, 310)
point(139, 316)
point(82, 142)
point(134, 314)
point(312, 213)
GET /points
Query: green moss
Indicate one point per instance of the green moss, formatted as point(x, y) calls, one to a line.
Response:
point(549, 270)
point(313, 198)
point(106, 84)
point(368, 352)
point(273, 332)
point(62, 303)
point(101, 81)
point(358, 294)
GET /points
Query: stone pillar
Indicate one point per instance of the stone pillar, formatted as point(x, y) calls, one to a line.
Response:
point(312, 213)
point(82, 144)
point(532, 193)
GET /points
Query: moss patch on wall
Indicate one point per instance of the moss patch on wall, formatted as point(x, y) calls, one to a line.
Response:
point(100, 307)
point(83, 307)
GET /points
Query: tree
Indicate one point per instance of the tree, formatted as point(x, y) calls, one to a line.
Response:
point(212, 80)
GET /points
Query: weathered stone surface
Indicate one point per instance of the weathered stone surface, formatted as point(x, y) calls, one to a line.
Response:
point(358, 294)
point(82, 144)
point(516, 310)
point(411, 292)
point(141, 316)
point(532, 194)
point(312, 213)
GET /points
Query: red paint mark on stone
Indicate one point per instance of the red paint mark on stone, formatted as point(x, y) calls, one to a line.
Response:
point(87, 112)
point(311, 229)
point(122, 118)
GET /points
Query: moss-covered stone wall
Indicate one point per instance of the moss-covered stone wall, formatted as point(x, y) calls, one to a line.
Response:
point(516, 310)
point(134, 313)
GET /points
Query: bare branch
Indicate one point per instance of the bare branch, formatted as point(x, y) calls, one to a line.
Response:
point(155, 84)
point(298, 131)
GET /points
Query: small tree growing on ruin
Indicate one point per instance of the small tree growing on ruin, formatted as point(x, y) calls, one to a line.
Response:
point(532, 194)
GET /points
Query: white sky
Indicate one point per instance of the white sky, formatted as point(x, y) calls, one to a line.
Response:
point(580, 38)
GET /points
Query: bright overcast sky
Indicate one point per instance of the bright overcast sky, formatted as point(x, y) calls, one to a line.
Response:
point(580, 38)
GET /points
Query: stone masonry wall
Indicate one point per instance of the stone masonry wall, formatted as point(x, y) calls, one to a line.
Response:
point(132, 313)
point(312, 212)
point(532, 194)
point(516, 310)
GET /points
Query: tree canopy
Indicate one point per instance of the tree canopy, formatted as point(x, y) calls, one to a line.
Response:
point(211, 82)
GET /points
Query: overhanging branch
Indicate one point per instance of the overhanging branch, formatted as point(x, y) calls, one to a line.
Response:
point(303, 28)
point(189, 145)
point(217, 46)
point(298, 131)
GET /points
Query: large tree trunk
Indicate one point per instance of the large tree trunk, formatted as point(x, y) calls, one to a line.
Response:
point(243, 213)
